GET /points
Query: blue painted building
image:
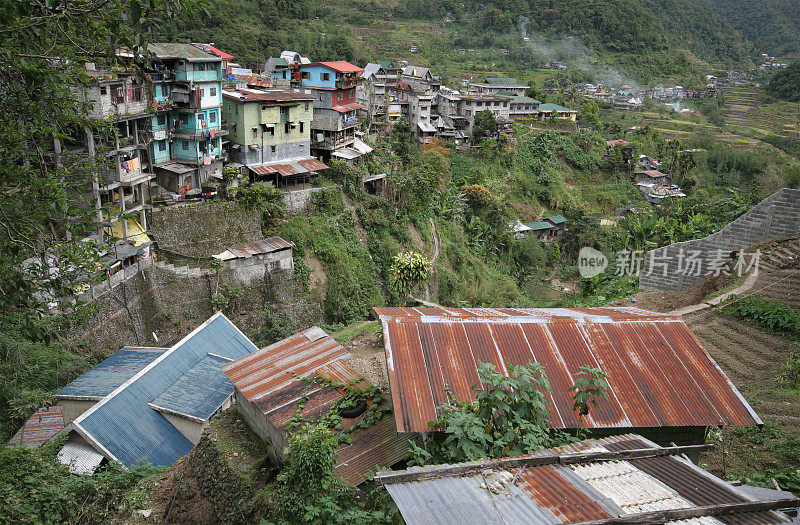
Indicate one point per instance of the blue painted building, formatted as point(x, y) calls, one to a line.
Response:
point(158, 412)
point(187, 132)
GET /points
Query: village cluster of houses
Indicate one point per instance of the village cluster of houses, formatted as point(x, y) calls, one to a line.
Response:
point(389, 93)
point(665, 391)
point(628, 98)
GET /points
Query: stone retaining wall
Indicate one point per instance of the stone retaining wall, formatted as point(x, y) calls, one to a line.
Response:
point(776, 217)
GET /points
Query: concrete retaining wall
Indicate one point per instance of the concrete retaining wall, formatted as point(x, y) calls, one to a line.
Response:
point(776, 217)
point(298, 201)
point(204, 228)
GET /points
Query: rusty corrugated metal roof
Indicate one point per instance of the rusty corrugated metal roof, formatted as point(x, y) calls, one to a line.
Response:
point(658, 373)
point(573, 493)
point(288, 168)
point(268, 245)
point(41, 426)
point(270, 378)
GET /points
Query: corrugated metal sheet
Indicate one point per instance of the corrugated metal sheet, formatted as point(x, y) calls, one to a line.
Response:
point(288, 168)
point(658, 373)
point(111, 373)
point(566, 494)
point(270, 378)
point(41, 426)
point(199, 392)
point(125, 427)
point(268, 245)
point(81, 458)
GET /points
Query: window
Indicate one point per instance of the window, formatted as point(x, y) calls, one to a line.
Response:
point(103, 91)
point(497, 103)
point(165, 89)
point(162, 120)
point(184, 119)
point(185, 145)
point(305, 75)
point(212, 117)
point(284, 111)
point(118, 94)
point(301, 127)
point(352, 93)
point(255, 132)
point(273, 149)
point(325, 76)
point(213, 92)
point(340, 95)
point(162, 145)
point(202, 93)
point(306, 106)
point(137, 94)
point(286, 127)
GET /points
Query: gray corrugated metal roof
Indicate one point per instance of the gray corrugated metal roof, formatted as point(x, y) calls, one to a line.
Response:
point(81, 458)
point(547, 494)
point(185, 51)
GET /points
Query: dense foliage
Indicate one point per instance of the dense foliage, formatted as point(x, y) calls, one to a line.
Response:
point(508, 416)
point(309, 490)
point(773, 25)
point(785, 84)
point(36, 488)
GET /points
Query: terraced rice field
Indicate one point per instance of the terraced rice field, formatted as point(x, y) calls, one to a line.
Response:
point(752, 359)
point(746, 111)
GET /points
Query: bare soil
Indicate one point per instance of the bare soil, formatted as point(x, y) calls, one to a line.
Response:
point(369, 358)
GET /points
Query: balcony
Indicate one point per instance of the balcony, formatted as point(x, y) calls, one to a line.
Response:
point(198, 134)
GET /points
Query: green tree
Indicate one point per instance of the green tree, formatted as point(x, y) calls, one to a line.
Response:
point(263, 197)
point(407, 270)
point(403, 142)
point(484, 126)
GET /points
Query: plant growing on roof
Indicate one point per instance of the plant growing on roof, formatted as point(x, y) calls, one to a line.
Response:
point(407, 270)
point(509, 416)
point(590, 385)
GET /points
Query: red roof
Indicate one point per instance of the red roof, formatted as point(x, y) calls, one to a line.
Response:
point(38, 430)
point(404, 86)
point(268, 245)
point(658, 373)
point(270, 378)
point(213, 50)
point(614, 143)
point(340, 66)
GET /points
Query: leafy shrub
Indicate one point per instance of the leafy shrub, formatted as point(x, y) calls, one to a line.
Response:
point(36, 488)
point(407, 270)
point(275, 326)
point(328, 200)
point(508, 417)
point(308, 489)
point(262, 197)
point(769, 314)
point(789, 376)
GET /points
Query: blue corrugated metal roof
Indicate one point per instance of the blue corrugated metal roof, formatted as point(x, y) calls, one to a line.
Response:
point(199, 392)
point(124, 424)
point(111, 373)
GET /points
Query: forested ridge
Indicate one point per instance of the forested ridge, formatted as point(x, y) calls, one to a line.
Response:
point(773, 25)
point(646, 39)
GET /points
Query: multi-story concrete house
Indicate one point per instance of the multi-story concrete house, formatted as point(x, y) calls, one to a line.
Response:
point(493, 86)
point(371, 92)
point(420, 79)
point(270, 132)
point(333, 130)
point(471, 105)
point(187, 133)
point(119, 97)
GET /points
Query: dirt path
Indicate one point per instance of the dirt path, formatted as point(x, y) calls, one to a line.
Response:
point(435, 238)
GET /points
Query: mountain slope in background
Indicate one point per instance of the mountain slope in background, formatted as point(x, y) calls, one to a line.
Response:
point(772, 25)
point(648, 40)
point(785, 84)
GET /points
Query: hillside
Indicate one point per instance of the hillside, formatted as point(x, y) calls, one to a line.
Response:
point(646, 40)
point(772, 25)
point(785, 84)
